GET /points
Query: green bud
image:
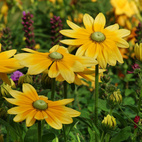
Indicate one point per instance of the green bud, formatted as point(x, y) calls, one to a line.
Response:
point(110, 88)
point(109, 122)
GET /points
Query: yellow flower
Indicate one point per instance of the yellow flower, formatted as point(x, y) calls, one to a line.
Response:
point(126, 7)
point(8, 64)
point(138, 51)
point(37, 46)
point(57, 61)
point(32, 107)
point(96, 41)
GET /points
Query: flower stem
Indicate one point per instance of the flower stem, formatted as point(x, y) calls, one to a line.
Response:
point(39, 132)
point(65, 89)
point(96, 97)
point(53, 88)
point(102, 137)
point(140, 100)
point(96, 93)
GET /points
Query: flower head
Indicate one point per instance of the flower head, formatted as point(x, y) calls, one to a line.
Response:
point(126, 7)
point(136, 120)
point(56, 61)
point(15, 76)
point(32, 107)
point(8, 64)
point(96, 41)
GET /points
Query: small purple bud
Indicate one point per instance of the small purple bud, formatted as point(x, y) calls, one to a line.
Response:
point(24, 13)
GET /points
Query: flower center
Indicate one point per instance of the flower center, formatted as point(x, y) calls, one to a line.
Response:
point(55, 55)
point(98, 36)
point(40, 104)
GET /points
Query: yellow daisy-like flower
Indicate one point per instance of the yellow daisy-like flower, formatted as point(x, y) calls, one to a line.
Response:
point(32, 107)
point(138, 51)
point(57, 61)
point(96, 41)
point(8, 64)
point(126, 7)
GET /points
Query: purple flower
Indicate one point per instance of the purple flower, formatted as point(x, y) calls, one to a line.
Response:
point(15, 76)
point(28, 29)
point(56, 26)
point(135, 66)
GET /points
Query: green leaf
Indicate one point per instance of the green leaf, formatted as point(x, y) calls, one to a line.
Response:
point(48, 137)
point(128, 92)
point(128, 101)
point(92, 135)
point(102, 104)
point(31, 135)
point(122, 135)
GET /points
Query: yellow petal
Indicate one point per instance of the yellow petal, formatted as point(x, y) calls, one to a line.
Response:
point(53, 121)
point(75, 34)
point(7, 54)
point(122, 32)
point(113, 27)
point(39, 115)
point(60, 78)
point(66, 72)
point(122, 43)
point(17, 110)
point(99, 22)
point(53, 71)
point(54, 48)
point(77, 80)
point(73, 41)
point(30, 92)
point(39, 68)
point(82, 49)
point(22, 116)
point(64, 119)
point(72, 25)
point(88, 22)
point(60, 102)
point(30, 123)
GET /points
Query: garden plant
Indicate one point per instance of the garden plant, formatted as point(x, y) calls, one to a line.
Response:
point(70, 70)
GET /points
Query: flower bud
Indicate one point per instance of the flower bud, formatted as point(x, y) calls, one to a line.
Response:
point(25, 79)
point(109, 122)
point(116, 97)
point(110, 88)
point(4, 88)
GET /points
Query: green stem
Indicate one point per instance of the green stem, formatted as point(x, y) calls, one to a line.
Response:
point(102, 137)
point(65, 89)
point(7, 136)
point(65, 96)
point(64, 131)
point(39, 132)
point(53, 88)
point(140, 100)
point(96, 93)
point(96, 97)
point(108, 138)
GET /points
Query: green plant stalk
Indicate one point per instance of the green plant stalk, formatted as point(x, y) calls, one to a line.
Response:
point(53, 88)
point(102, 137)
point(65, 89)
point(39, 132)
point(8, 133)
point(140, 100)
point(96, 97)
point(96, 94)
point(65, 96)
point(107, 137)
